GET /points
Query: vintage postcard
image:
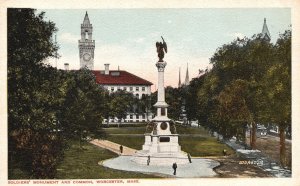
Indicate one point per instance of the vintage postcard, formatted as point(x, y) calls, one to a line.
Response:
point(140, 93)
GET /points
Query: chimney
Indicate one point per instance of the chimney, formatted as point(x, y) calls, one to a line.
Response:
point(66, 66)
point(106, 72)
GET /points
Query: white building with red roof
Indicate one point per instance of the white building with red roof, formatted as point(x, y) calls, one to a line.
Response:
point(122, 80)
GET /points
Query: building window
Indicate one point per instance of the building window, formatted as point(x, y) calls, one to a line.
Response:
point(137, 88)
point(125, 88)
point(131, 88)
point(130, 116)
point(112, 89)
point(119, 88)
point(86, 35)
point(143, 88)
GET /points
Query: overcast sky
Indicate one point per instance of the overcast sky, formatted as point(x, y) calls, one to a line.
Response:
point(127, 37)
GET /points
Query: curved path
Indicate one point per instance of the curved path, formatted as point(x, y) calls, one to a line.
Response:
point(114, 147)
point(200, 167)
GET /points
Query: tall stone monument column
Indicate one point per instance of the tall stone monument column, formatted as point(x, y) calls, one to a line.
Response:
point(161, 105)
point(161, 90)
point(161, 140)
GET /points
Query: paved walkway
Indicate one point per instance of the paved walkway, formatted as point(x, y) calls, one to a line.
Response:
point(198, 168)
point(114, 147)
point(261, 160)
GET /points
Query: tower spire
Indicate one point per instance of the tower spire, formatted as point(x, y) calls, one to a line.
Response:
point(86, 20)
point(179, 81)
point(265, 31)
point(187, 79)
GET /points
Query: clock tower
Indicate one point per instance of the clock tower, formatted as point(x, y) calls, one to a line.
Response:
point(86, 45)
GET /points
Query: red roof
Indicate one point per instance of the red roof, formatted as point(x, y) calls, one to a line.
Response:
point(117, 77)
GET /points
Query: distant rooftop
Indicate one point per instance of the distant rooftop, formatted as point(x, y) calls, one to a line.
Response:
point(116, 77)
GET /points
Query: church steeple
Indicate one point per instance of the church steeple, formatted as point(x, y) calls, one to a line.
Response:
point(265, 31)
point(187, 79)
point(179, 81)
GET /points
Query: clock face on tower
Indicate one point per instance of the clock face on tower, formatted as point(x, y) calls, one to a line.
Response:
point(86, 57)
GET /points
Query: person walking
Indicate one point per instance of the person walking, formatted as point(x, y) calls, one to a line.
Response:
point(121, 149)
point(148, 160)
point(174, 168)
point(224, 152)
point(189, 157)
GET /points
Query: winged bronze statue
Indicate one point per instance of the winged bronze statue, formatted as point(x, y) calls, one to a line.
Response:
point(161, 49)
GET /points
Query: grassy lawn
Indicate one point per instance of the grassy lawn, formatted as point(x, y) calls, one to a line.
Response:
point(126, 130)
point(192, 130)
point(83, 164)
point(16, 173)
point(135, 142)
point(132, 137)
point(201, 144)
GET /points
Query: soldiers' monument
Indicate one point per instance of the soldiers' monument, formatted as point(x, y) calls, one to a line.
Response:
point(161, 139)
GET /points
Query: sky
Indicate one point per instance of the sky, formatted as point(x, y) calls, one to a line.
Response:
point(127, 37)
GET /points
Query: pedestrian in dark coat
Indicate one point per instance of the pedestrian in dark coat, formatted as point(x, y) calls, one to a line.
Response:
point(174, 168)
point(121, 149)
point(148, 160)
point(189, 157)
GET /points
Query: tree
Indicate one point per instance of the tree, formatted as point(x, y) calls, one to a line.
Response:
point(32, 95)
point(248, 60)
point(120, 103)
point(233, 109)
point(278, 89)
point(174, 97)
point(192, 106)
point(83, 106)
point(206, 101)
point(27, 34)
point(145, 105)
point(153, 100)
point(260, 54)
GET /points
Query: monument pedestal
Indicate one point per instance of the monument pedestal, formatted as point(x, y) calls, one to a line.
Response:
point(162, 150)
